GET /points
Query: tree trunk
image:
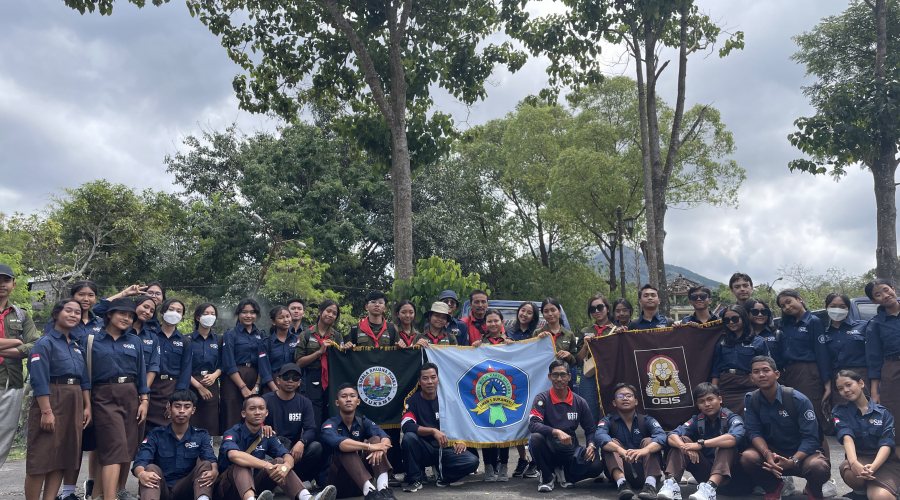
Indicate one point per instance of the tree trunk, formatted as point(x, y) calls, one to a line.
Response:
point(401, 172)
point(649, 250)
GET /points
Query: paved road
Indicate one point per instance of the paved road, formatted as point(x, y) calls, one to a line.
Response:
point(12, 477)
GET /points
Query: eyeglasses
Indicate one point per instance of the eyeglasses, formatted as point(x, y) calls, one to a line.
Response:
point(757, 312)
point(559, 375)
point(292, 378)
point(698, 296)
point(593, 309)
point(153, 294)
point(731, 319)
point(626, 395)
point(376, 302)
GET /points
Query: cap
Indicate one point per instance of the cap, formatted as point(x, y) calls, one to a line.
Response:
point(122, 304)
point(7, 271)
point(289, 367)
point(449, 294)
point(440, 308)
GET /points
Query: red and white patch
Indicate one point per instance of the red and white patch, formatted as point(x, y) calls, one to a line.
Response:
point(262, 354)
point(536, 414)
point(836, 420)
point(228, 438)
point(326, 426)
point(145, 440)
point(35, 357)
point(601, 423)
point(688, 423)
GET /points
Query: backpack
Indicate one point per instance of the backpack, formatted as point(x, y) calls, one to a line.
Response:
point(724, 412)
point(391, 330)
point(787, 400)
point(641, 422)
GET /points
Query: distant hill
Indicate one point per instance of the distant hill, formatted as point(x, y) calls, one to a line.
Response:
point(672, 271)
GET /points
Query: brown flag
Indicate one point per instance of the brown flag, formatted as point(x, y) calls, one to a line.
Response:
point(664, 364)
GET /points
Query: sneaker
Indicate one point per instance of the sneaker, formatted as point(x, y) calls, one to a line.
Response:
point(265, 495)
point(548, 486)
point(88, 487)
point(560, 474)
point(308, 485)
point(789, 488)
point(829, 489)
point(503, 474)
point(393, 482)
point(625, 492)
point(70, 496)
point(758, 490)
point(374, 495)
point(441, 484)
point(689, 478)
point(520, 468)
point(329, 493)
point(776, 495)
point(489, 474)
point(430, 475)
point(648, 493)
point(413, 487)
point(531, 470)
point(387, 494)
point(704, 492)
point(126, 495)
point(670, 491)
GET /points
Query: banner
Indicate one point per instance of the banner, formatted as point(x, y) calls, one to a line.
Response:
point(485, 393)
point(664, 364)
point(383, 376)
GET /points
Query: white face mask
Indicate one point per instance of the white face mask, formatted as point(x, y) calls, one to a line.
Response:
point(208, 320)
point(172, 317)
point(837, 314)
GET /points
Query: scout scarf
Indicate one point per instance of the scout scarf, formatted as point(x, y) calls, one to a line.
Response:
point(600, 331)
point(495, 341)
point(367, 328)
point(408, 340)
point(324, 357)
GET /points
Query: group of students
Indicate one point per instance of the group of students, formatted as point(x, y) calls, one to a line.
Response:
point(117, 378)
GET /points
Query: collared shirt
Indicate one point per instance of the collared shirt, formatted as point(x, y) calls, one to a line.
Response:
point(82, 329)
point(549, 413)
point(640, 323)
point(281, 353)
point(870, 430)
point(102, 308)
point(239, 438)
point(53, 357)
point(21, 329)
point(175, 359)
point(725, 423)
point(205, 355)
point(334, 431)
point(803, 341)
point(386, 338)
point(293, 419)
point(410, 339)
point(459, 329)
point(738, 356)
point(564, 340)
point(521, 335)
point(176, 457)
point(693, 317)
point(473, 332)
point(150, 346)
point(309, 344)
point(630, 439)
point(882, 339)
point(120, 357)
point(421, 412)
point(771, 337)
point(846, 344)
point(240, 347)
point(788, 433)
point(445, 338)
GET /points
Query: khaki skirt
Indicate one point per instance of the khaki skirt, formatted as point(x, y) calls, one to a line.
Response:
point(60, 449)
point(114, 408)
point(159, 398)
point(734, 388)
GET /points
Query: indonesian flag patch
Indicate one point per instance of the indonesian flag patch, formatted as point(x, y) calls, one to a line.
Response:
point(35, 357)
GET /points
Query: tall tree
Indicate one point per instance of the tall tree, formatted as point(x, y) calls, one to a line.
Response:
point(856, 59)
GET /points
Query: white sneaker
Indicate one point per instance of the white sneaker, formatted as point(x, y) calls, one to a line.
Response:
point(758, 491)
point(561, 477)
point(669, 491)
point(789, 488)
point(546, 487)
point(329, 493)
point(704, 492)
point(829, 489)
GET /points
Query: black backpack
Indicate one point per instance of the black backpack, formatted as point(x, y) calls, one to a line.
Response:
point(392, 332)
point(723, 422)
point(641, 421)
point(787, 400)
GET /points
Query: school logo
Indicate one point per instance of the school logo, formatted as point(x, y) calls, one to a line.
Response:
point(821, 339)
point(191, 445)
point(666, 385)
point(495, 393)
point(784, 413)
point(875, 421)
point(810, 415)
point(377, 386)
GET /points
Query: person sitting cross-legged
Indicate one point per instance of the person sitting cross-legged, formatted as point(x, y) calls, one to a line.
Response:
point(555, 416)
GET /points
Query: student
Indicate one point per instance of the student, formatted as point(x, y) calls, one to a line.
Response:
point(61, 407)
point(700, 299)
point(866, 429)
point(478, 306)
point(154, 290)
point(281, 343)
point(297, 308)
point(119, 394)
point(245, 474)
point(525, 323)
point(708, 445)
point(424, 445)
point(600, 311)
point(17, 337)
point(804, 357)
point(622, 312)
point(563, 339)
point(650, 317)
point(846, 342)
point(206, 365)
point(360, 451)
point(174, 363)
point(85, 293)
point(373, 330)
point(784, 435)
point(291, 417)
point(555, 416)
point(436, 333)
point(456, 327)
point(764, 326)
point(741, 287)
point(496, 460)
point(404, 319)
point(245, 363)
point(625, 436)
point(882, 345)
point(312, 354)
point(731, 360)
point(176, 461)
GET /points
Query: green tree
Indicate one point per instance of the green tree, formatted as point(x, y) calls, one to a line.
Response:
point(855, 57)
point(434, 275)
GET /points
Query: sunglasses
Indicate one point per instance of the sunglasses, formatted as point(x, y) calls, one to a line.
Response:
point(698, 296)
point(593, 309)
point(731, 319)
point(292, 378)
point(626, 395)
point(758, 312)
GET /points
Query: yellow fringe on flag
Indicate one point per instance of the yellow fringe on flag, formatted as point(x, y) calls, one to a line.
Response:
point(473, 444)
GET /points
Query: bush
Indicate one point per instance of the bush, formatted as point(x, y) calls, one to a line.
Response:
point(432, 276)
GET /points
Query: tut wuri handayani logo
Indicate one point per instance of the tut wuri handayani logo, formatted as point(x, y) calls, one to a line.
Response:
point(495, 393)
point(377, 386)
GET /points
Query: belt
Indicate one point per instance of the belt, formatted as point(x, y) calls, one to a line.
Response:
point(65, 381)
point(248, 365)
point(167, 376)
point(736, 372)
point(201, 374)
point(117, 380)
point(892, 357)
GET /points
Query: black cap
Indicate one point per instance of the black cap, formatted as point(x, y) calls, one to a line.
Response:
point(7, 271)
point(122, 304)
point(289, 367)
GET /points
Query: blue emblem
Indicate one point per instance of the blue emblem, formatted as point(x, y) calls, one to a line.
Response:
point(495, 393)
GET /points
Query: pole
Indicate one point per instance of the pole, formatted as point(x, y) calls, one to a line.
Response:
point(621, 250)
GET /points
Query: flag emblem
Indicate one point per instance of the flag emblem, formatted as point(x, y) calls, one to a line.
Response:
point(377, 386)
point(494, 392)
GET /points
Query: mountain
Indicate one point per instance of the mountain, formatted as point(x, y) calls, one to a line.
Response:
point(672, 271)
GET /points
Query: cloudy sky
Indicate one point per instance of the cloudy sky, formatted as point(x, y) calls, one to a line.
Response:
point(88, 97)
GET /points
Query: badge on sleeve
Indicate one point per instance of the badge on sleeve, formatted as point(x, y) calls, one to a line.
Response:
point(810, 415)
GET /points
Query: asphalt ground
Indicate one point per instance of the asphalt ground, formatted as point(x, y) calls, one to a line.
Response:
point(12, 479)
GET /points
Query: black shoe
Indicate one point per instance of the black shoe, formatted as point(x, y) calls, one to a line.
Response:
point(387, 494)
point(625, 492)
point(393, 482)
point(531, 470)
point(520, 468)
point(648, 493)
point(265, 495)
point(70, 496)
point(88, 487)
point(374, 495)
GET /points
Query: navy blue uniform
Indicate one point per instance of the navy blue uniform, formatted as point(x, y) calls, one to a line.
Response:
point(53, 357)
point(870, 430)
point(241, 347)
point(121, 357)
point(205, 356)
point(782, 431)
point(176, 457)
point(803, 341)
point(630, 440)
point(882, 340)
point(639, 323)
point(150, 346)
point(771, 337)
point(846, 344)
point(725, 423)
point(362, 429)
point(423, 451)
point(102, 308)
point(175, 359)
point(280, 352)
point(521, 335)
point(693, 318)
point(82, 329)
point(737, 356)
point(239, 438)
point(549, 413)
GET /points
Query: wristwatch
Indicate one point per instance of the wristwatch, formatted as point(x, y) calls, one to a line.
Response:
point(702, 443)
point(796, 462)
point(591, 445)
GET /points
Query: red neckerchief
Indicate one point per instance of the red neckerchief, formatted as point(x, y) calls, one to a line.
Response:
point(498, 340)
point(435, 340)
point(2, 327)
point(409, 341)
point(315, 331)
point(601, 330)
point(555, 336)
point(367, 328)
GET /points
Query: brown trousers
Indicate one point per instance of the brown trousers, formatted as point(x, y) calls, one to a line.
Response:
point(815, 468)
point(349, 471)
point(702, 470)
point(187, 488)
point(237, 480)
point(635, 473)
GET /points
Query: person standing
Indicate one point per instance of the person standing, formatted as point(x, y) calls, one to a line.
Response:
point(292, 419)
point(622, 312)
point(17, 337)
point(496, 460)
point(174, 363)
point(312, 354)
point(245, 363)
point(455, 326)
point(297, 308)
point(882, 345)
point(373, 330)
point(478, 306)
point(700, 299)
point(525, 322)
point(731, 359)
point(563, 339)
point(600, 311)
point(741, 287)
point(281, 343)
point(206, 368)
point(650, 318)
point(404, 321)
point(846, 343)
point(436, 333)
point(85, 292)
point(764, 326)
point(153, 290)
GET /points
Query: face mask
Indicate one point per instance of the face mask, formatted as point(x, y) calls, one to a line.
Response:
point(172, 317)
point(837, 314)
point(208, 320)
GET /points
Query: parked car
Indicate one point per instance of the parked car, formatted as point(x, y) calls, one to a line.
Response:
point(508, 309)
